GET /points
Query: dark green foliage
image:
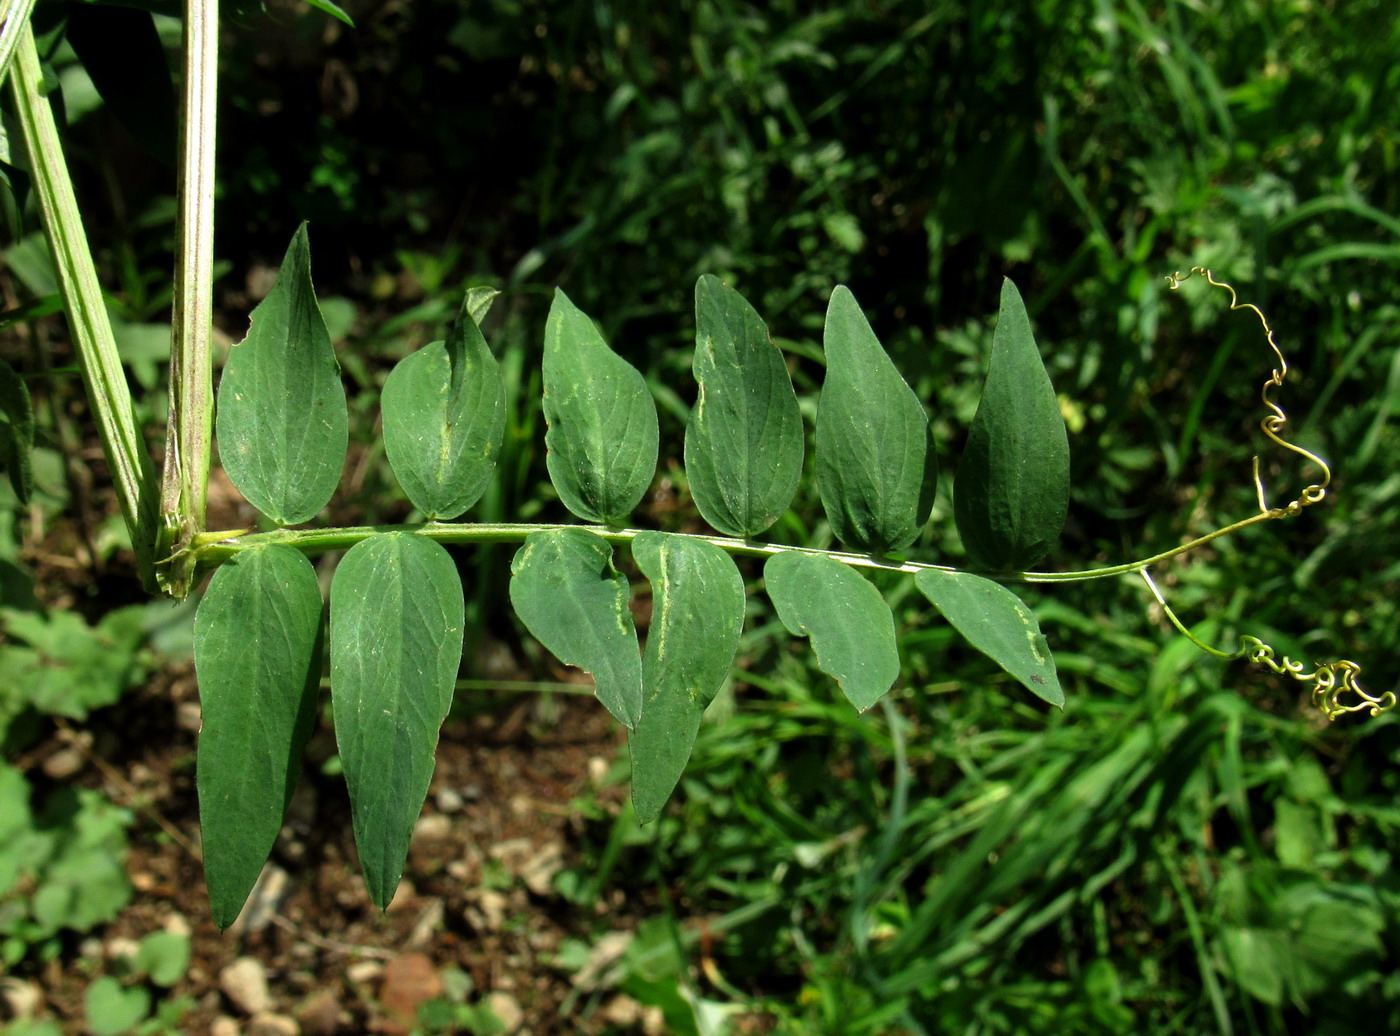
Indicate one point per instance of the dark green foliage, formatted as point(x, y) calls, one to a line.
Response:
point(282, 421)
point(567, 593)
point(257, 649)
point(744, 442)
point(396, 643)
point(1012, 490)
point(875, 467)
point(444, 410)
point(697, 614)
point(602, 436)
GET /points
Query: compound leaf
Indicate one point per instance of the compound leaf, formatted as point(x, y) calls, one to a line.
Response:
point(875, 470)
point(697, 614)
point(444, 412)
point(602, 429)
point(282, 419)
point(571, 599)
point(997, 623)
point(257, 637)
point(16, 432)
point(396, 644)
point(851, 626)
point(743, 445)
point(1011, 493)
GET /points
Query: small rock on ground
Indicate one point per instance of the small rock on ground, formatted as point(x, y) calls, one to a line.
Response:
point(245, 983)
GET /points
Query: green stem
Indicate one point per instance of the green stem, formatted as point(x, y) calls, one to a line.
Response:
point(14, 17)
point(214, 548)
point(185, 483)
point(131, 467)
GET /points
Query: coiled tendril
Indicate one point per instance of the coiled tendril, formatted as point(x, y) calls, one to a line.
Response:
point(1336, 689)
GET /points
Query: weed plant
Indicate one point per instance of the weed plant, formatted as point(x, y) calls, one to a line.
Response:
point(1183, 849)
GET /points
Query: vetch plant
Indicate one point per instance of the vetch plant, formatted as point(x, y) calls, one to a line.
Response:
point(396, 614)
point(396, 600)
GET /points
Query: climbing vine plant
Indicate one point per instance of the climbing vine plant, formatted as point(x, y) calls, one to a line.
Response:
point(396, 610)
point(396, 599)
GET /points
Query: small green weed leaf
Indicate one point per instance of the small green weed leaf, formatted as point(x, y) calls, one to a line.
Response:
point(1011, 493)
point(112, 1009)
point(697, 614)
point(743, 446)
point(257, 652)
point(997, 623)
point(332, 9)
point(282, 419)
point(478, 302)
point(875, 470)
point(602, 434)
point(571, 599)
point(16, 432)
point(444, 412)
point(397, 615)
point(164, 957)
point(851, 626)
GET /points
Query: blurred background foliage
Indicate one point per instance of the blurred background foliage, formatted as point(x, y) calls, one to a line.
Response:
point(1188, 847)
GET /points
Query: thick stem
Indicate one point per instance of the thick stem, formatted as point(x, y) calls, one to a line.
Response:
point(185, 483)
point(108, 394)
point(14, 17)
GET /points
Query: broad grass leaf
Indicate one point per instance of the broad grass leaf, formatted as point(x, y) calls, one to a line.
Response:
point(444, 410)
point(851, 626)
point(16, 432)
point(743, 445)
point(396, 644)
point(1011, 493)
point(875, 469)
point(997, 623)
point(257, 652)
point(602, 434)
point(571, 599)
point(282, 419)
point(696, 617)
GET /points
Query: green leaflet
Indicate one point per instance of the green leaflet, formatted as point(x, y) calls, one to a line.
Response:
point(572, 600)
point(875, 469)
point(1011, 493)
point(602, 435)
point(743, 446)
point(282, 421)
point(444, 412)
point(396, 644)
point(850, 624)
point(257, 637)
point(16, 432)
point(997, 623)
point(697, 614)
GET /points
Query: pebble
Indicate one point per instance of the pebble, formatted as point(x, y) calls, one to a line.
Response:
point(363, 972)
point(449, 801)
point(409, 981)
point(121, 948)
point(223, 1026)
point(433, 826)
point(507, 1009)
point(269, 1024)
point(63, 764)
point(245, 983)
point(188, 716)
point(22, 998)
point(320, 1014)
point(178, 924)
point(539, 870)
